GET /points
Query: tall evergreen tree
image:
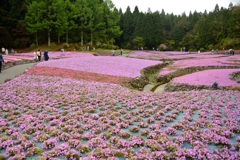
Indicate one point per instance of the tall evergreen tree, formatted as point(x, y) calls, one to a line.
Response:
point(83, 16)
point(128, 26)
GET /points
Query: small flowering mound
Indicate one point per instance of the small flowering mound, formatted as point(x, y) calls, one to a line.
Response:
point(208, 77)
point(115, 66)
point(79, 75)
point(44, 117)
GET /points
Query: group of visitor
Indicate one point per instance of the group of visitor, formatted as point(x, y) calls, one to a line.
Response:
point(231, 52)
point(38, 55)
point(5, 51)
point(113, 52)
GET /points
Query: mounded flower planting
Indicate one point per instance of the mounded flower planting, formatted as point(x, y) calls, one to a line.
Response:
point(208, 77)
point(49, 117)
point(115, 66)
point(226, 61)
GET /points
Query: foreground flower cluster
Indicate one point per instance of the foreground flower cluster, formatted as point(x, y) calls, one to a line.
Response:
point(50, 118)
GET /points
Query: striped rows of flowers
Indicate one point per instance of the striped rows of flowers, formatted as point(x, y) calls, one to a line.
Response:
point(50, 118)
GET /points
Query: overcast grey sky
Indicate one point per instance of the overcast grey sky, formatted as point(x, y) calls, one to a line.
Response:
point(173, 6)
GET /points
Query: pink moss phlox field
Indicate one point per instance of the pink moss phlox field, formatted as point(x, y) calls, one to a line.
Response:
point(57, 55)
point(187, 63)
point(154, 55)
point(76, 74)
point(208, 77)
point(58, 118)
point(116, 66)
point(9, 58)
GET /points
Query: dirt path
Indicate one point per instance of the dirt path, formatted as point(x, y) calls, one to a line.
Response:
point(14, 71)
point(148, 88)
point(160, 88)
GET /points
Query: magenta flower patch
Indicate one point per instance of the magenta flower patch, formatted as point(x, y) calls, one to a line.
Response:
point(208, 77)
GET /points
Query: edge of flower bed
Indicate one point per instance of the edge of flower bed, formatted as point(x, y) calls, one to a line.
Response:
point(235, 76)
point(172, 87)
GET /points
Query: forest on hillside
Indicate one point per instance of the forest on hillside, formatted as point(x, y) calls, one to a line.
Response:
point(98, 23)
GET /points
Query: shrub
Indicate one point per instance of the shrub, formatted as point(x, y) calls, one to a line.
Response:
point(76, 46)
point(65, 45)
point(32, 46)
point(202, 50)
point(53, 45)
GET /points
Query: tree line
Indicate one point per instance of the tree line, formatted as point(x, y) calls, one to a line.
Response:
point(99, 23)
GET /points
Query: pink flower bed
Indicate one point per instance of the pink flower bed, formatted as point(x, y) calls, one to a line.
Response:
point(175, 52)
point(75, 74)
point(220, 61)
point(116, 66)
point(208, 77)
point(9, 58)
point(58, 54)
point(172, 55)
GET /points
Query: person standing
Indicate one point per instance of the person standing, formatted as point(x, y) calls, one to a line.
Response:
point(121, 51)
point(212, 51)
point(45, 54)
point(6, 51)
point(39, 54)
point(35, 57)
point(1, 61)
point(113, 52)
point(12, 51)
point(3, 50)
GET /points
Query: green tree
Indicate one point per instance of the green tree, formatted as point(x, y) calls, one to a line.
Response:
point(138, 42)
point(234, 23)
point(69, 13)
point(96, 21)
point(83, 16)
point(111, 19)
point(34, 18)
point(128, 26)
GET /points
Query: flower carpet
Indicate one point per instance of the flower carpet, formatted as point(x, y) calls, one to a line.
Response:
point(154, 55)
point(115, 66)
point(208, 77)
point(10, 58)
point(75, 74)
point(57, 55)
point(75, 108)
point(188, 63)
point(59, 118)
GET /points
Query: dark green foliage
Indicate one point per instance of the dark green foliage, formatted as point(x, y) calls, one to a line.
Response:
point(98, 23)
